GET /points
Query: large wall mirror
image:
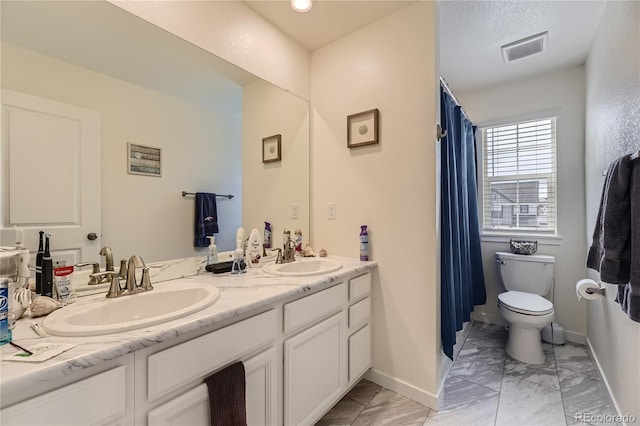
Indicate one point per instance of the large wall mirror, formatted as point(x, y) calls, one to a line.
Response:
point(123, 81)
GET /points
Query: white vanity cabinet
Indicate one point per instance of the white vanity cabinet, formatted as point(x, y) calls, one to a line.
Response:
point(300, 354)
point(327, 348)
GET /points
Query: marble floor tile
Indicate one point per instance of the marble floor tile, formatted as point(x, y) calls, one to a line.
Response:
point(582, 395)
point(390, 408)
point(343, 413)
point(488, 355)
point(465, 403)
point(487, 336)
point(574, 357)
point(479, 373)
point(364, 391)
point(526, 403)
point(543, 374)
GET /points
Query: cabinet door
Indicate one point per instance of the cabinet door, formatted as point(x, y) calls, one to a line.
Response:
point(359, 353)
point(262, 388)
point(315, 371)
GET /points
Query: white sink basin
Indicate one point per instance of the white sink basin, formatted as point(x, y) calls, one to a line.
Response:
point(303, 267)
point(105, 316)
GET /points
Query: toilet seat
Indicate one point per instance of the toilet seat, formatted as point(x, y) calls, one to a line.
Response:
point(525, 303)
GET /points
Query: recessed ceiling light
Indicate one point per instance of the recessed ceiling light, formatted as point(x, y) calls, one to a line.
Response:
point(525, 47)
point(301, 5)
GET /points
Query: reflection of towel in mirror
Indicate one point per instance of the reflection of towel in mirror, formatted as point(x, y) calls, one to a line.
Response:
point(227, 398)
point(615, 251)
point(206, 221)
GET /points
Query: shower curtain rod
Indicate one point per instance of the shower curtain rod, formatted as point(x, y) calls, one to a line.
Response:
point(447, 89)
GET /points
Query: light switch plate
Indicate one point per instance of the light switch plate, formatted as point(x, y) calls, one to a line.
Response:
point(331, 211)
point(295, 211)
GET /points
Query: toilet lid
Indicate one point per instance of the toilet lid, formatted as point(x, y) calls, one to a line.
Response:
point(525, 303)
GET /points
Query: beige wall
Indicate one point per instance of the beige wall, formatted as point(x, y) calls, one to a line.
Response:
point(140, 213)
point(391, 187)
point(562, 90)
point(234, 32)
point(613, 129)
point(269, 189)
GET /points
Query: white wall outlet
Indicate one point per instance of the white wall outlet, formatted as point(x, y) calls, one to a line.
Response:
point(331, 211)
point(295, 211)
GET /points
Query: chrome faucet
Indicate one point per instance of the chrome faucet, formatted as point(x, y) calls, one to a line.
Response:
point(132, 287)
point(96, 277)
point(288, 252)
point(106, 252)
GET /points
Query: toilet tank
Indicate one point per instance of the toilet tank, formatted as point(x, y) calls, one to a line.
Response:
point(528, 273)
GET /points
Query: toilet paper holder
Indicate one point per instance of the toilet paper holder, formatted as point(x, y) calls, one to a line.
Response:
point(601, 291)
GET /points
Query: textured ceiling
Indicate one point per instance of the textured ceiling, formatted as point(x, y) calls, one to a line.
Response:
point(471, 33)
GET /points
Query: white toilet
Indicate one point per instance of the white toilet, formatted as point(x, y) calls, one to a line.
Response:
point(526, 278)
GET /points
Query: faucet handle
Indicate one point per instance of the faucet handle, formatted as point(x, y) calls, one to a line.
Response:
point(279, 258)
point(114, 289)
point(124, 264)
point(95, 277)
point(146, 281)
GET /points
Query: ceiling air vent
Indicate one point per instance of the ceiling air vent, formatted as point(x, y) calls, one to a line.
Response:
point(525, 47)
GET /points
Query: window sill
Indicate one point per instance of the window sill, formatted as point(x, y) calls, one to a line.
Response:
point(548, 240)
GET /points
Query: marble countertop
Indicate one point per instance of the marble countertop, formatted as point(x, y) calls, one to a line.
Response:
point(240, 295)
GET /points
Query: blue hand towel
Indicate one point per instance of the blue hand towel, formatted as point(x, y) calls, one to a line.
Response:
point(206, 221)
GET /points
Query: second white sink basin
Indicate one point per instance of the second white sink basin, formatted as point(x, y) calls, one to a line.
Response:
point(105, 316)
point(303, 267)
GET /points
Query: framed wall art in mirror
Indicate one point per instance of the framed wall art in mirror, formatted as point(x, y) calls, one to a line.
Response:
point(271, 149)
point(144, 160)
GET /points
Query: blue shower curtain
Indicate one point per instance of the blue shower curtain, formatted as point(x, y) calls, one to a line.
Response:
point(461, 275)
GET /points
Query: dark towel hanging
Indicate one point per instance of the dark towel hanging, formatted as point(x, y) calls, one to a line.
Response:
point(206, 220)
point(227, 396)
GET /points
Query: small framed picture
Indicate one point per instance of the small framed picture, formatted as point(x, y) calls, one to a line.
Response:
point(144, 160)
point(362, 128)
point(271, 149)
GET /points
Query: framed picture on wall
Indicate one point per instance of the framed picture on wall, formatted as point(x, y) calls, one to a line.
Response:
point(144, 160)
point(362, 128)
point(271, 149)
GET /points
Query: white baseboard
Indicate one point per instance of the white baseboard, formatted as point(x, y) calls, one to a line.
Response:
point(606, 382)
point(420, 396)
point(489, 318)
point(575, 337)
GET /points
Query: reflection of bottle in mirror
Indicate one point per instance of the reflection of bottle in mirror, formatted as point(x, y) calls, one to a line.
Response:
point(212, 257)
point(364, 244)
point(47, 269)
point(267, 235)
point(298, 241)
point(39, 264)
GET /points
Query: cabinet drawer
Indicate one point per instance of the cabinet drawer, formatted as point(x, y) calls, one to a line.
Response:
point(310, 309)
point(359, 312)
point(179, 365)
point(359, 286)
point(359, 353)
point(190, 408)
point(96, 400)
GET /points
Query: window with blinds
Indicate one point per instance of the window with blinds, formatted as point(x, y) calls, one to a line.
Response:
point(519, 177)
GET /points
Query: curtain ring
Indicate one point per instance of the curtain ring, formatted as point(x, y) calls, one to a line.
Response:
point(440, 133)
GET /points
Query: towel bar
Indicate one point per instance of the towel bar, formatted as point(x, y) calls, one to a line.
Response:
point(229, 196)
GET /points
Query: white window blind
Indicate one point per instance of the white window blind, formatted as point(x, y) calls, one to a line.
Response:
point(519, 177)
